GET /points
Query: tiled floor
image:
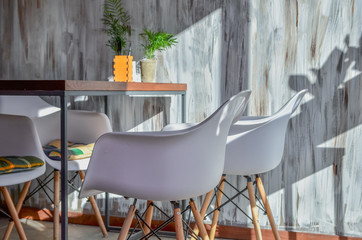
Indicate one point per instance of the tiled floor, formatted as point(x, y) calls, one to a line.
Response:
point(39, 230)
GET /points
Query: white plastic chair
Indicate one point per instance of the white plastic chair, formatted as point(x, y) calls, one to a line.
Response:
point(163, 166)
point(254, 145)
point(18, 138)
point(83, 127)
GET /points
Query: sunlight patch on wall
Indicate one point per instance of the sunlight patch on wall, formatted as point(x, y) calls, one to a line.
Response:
point(197, 61)
point(313, 201)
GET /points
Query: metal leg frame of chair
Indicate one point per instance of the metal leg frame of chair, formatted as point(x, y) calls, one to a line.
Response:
point(252, 198)
point(56, 201)
point(14, 211)
point(182, 227)
point(5, 214)
point(56, 206)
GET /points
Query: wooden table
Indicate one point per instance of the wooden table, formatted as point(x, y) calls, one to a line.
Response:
point(66, 88)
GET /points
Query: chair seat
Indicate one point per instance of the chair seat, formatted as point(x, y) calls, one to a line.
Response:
point(14, 164)
point(78, 155)
point(76, 151)
point(21, 177)
point(74, 165)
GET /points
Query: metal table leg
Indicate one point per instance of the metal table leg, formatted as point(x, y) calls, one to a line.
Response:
point(183, 107)
point(64, 166)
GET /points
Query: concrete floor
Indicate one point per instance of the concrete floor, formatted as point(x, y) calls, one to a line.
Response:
point(39, 230)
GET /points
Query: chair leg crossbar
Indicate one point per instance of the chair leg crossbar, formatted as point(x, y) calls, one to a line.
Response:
point(5, 214)
point(43, 185)
point(230, 200)
point(14, 211)
point(263, 204)
point(143, 225)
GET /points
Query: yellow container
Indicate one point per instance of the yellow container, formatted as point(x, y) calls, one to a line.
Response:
point(122, 68)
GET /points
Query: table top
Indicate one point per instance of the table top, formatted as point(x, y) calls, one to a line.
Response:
point(7, 86)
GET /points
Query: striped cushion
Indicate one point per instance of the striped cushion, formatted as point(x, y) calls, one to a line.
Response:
point(76, 151)
point(12, 164)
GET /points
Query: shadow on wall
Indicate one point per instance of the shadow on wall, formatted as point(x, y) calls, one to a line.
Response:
point(211, 56)
point(334, 110)
point(170, 16)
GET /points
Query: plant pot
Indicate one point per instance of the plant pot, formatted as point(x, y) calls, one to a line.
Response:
point(148, 69)
point(122, 68)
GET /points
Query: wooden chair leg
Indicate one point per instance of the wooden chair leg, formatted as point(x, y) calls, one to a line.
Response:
point(199, 220)
point(254, 210)
point(18, 207)
point(95, 209)
point(269, 213)
point(203, 210)
point(215, 216)
point(148, 218)
point(178, 222)
point(127, 223)
point(56, 205)
point(13, 213)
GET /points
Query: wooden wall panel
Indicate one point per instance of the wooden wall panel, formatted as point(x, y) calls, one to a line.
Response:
point(275, 48)
point(314, 45)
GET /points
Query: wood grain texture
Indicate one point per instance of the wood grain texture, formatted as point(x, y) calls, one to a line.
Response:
point(273, 47)
point(76, 85)
point(314, 45)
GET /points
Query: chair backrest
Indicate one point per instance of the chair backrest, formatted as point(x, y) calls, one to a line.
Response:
point(30, 106)
point(168, 165)
point(256, 145)
point(47, 119)
point(18, 137)
point(37, 109)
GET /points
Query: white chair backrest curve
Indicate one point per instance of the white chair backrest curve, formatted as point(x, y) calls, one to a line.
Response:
point(234, 107)
point(292, 105)
point(257, 148)
point(19, 137)
point(81, 125)
point(46, 118)
point(30, 106)
point(169, 165)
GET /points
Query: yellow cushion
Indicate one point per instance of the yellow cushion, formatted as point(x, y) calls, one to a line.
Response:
point(76, 151)
point(12, 164)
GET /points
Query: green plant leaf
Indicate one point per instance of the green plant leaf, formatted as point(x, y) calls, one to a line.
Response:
point(116, 21)
point(156, 41)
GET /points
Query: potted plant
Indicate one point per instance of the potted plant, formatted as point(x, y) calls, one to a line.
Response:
point(155, 41)
point(116, 21)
